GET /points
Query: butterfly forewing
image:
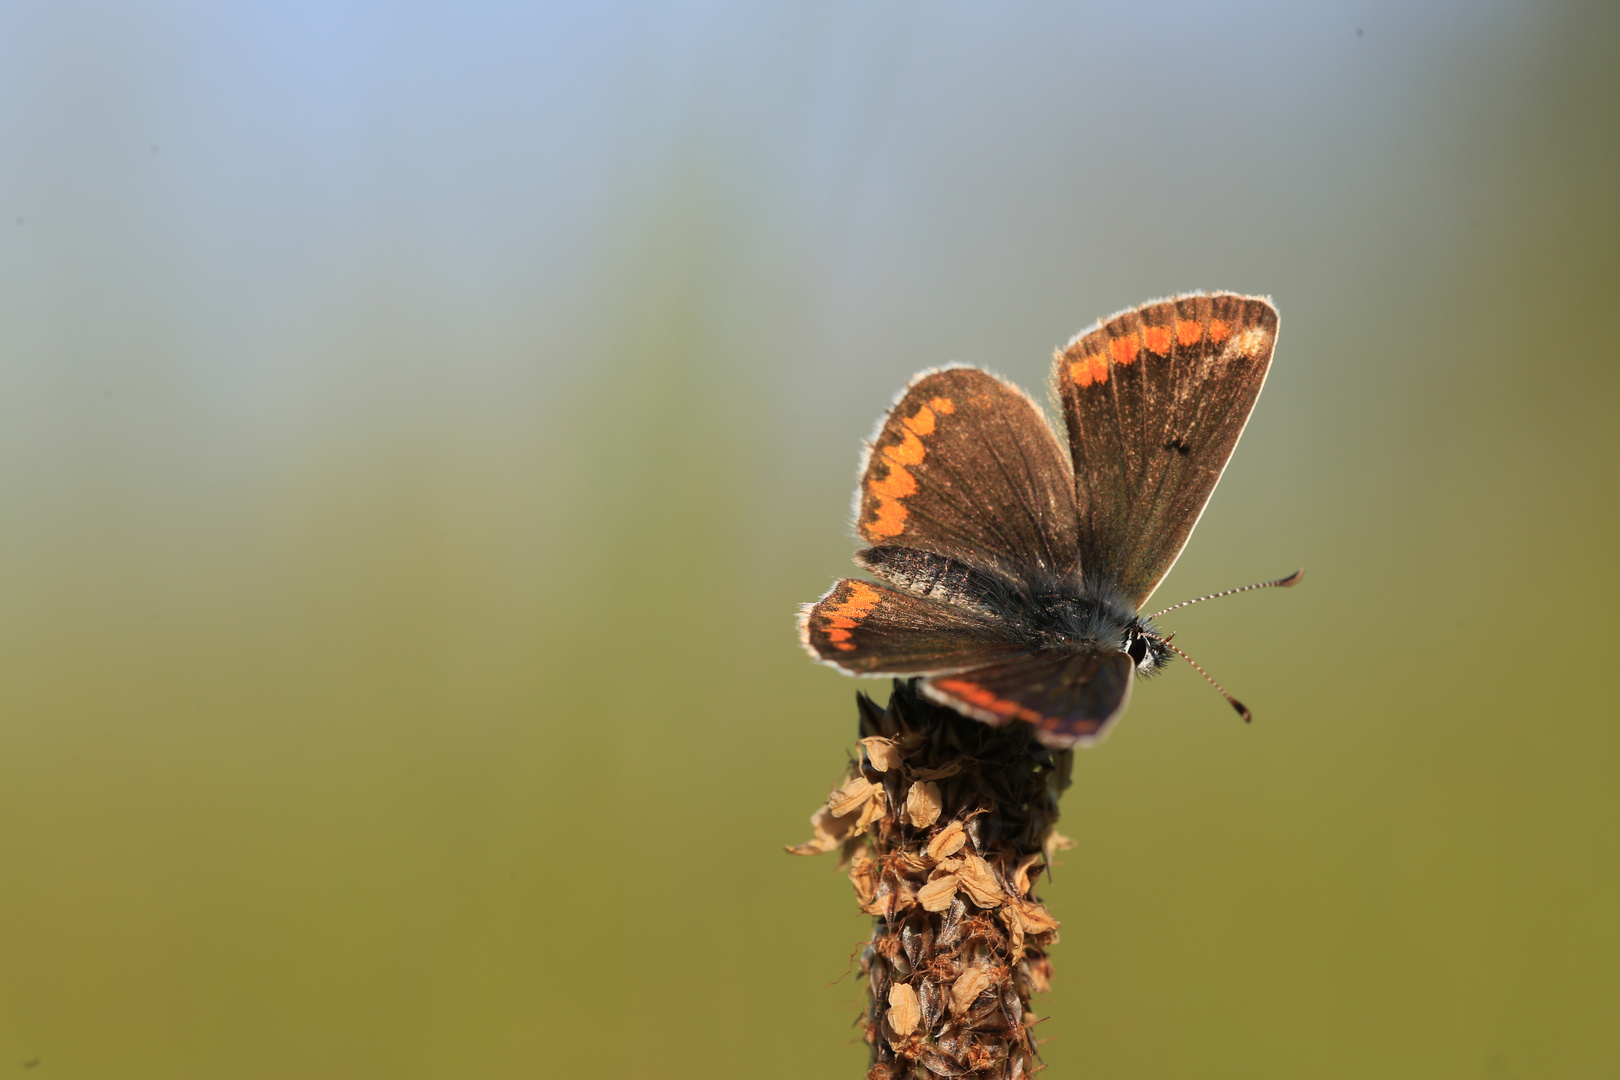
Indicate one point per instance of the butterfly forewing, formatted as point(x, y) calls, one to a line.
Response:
point(1070, 696)
point(965, 466)
point(870, 629)
point(1155, 400)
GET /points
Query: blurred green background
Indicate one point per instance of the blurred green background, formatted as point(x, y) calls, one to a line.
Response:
point(419, 423)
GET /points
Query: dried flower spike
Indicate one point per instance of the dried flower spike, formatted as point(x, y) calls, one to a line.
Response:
point(946, 823)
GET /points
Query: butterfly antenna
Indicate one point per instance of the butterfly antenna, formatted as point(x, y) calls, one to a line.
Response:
point(1280, 583)
point(1230, 700)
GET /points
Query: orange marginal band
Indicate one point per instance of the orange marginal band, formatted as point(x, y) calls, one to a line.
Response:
point(974, 694)
point(847, 614)
point(1124, 349)
point(898, 483)
point(1088, 369)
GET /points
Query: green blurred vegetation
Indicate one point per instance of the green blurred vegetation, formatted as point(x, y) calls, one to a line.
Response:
point(397, 667)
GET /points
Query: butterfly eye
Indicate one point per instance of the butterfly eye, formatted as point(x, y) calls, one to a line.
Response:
point(1137, 649)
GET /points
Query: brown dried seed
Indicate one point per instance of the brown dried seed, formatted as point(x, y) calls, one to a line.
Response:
point(1015, 930)
point(851, 796)
point(905, 1012)
point(1011, 1005)
point(1021, 875)
point(1034, 918)
point(876, 806)
point(937, 894)
point(979, 882)
point(922, 804)
point(967, 988)
point(932, 1002)
point(949, 841)
point(882, 753)
point(863, 874)
point(1039, 969)
point(940, 1063)
point(829, 829)
point(912, 863)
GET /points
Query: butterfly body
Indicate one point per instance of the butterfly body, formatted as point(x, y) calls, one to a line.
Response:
point(1011, 574)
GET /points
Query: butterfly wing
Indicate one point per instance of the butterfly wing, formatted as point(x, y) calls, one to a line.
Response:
point(1155, 400)
point(1069, 696)
point(965, 466)
point(870, 629)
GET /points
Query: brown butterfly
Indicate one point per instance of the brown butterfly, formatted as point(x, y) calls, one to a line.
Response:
point(1012, 574)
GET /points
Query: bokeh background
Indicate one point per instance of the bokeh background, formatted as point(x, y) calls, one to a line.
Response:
point(418, 424)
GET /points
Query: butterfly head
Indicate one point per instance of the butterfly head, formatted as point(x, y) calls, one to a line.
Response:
point(1145, 646)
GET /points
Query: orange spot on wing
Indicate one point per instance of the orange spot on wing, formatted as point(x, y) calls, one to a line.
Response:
point(898, 483)
point(1219, 331)
point(978, 696)
point(908, 451)
point(1157, 338)
point(888, 520)
point(846, 615)
point(1124, 350)
point(921, 422)
point(1188, 332)
point(1088, 369)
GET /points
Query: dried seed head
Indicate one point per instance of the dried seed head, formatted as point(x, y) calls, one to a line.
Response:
point(905, 1011)
point(882, 753)
point(922, 804)
point(942, 849)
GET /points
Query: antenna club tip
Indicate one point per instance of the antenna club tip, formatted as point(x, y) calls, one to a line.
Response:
point(1293, 579)
point(1242, 711)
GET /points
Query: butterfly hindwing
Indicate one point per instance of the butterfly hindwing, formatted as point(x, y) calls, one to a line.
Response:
point(870, 629)
point(1155, 400)
point(966, 466)
point(1070, 696)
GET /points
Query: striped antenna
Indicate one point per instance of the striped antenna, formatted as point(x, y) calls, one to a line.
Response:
point(1280, 583)
point(1230, 700)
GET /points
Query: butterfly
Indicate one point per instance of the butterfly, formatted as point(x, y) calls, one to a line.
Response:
point(1011, 575)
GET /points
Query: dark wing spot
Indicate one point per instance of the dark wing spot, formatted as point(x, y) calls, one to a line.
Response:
point(1178, 446)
